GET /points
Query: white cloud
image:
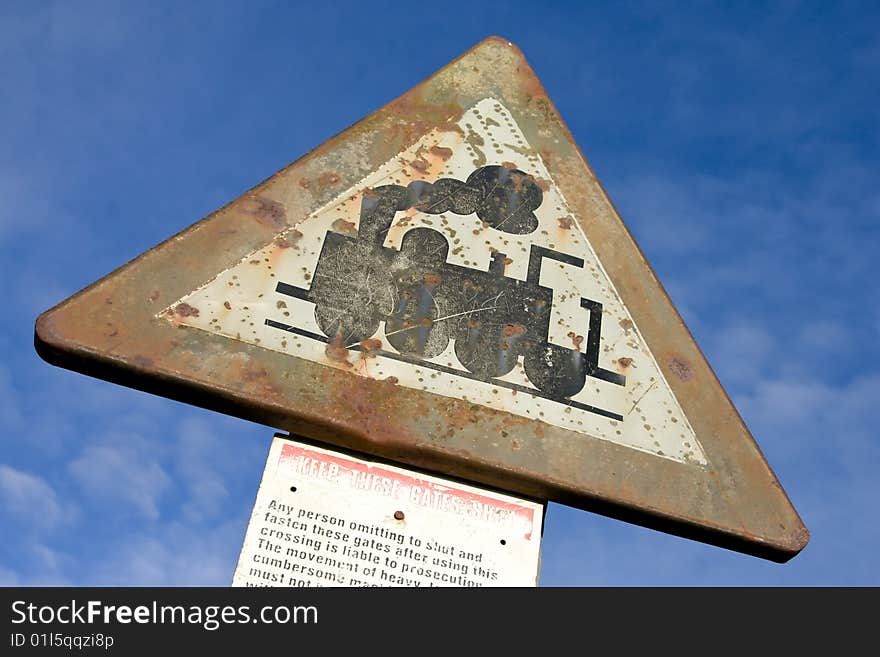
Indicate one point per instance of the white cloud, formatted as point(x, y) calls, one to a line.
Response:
point(200, 453)
point(666, 216)
point(176, 555)
point(739, 353)
point(208, 460)
point(812, 405)
point(30, 499)
point(121, 474)
point(823, 335)
point(49, 558)
point(9, 577)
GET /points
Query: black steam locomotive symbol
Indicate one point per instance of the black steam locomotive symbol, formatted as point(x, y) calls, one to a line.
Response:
point(425, 301)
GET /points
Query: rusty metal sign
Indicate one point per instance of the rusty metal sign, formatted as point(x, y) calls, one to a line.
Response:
point(328, 518)
point(447, 285)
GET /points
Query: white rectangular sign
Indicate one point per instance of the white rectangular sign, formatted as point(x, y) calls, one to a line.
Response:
point(325, 518)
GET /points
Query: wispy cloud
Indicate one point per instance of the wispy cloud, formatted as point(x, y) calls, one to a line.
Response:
point(120, 474)
point(200, 460)
point(176, 555)
point(30, 500)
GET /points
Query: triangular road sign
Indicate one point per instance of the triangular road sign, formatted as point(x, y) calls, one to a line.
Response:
point(447, 285)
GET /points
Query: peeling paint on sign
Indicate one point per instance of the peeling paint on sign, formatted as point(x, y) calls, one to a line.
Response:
point(456, 268)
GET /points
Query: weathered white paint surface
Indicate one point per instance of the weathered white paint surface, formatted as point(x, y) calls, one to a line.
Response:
point(237, 302)
point(325, 518)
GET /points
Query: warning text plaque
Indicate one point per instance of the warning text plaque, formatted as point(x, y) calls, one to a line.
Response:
point(326, 518)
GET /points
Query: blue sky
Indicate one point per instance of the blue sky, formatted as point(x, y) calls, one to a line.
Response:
point(739, 142)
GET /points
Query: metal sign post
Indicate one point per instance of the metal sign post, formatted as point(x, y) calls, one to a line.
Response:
point(445, 285)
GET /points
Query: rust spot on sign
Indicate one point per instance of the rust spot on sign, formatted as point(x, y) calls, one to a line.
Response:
point(186, 310)
point(513, 330)
point(420, 164)
point(370, 406)
point(543, 183)
point(441, 151)
point(369, 346)
point(251, 374)
point(327, 179)
point(289, 240)
point(266, 211)
point(344, 227)
point(576, 340)
point(565, 222)
point(680, 368)
point(420, 117)
point(336, 351)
